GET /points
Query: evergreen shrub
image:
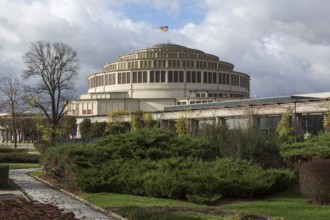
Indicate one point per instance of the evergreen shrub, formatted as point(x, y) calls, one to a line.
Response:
point(317, 147)
point(158, 163)
point(314, 179)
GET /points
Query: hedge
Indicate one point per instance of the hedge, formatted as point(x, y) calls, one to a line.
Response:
point(19, 158)
point(4, 175)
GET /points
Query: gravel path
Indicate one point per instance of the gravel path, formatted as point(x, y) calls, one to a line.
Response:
point(42, 193)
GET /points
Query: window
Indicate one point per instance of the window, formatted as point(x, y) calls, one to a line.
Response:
point(199, 77)
point(220, 78)
point(124, 78)
point(181, 78)
point(134, 77)
point(152, 76)
point(112, 79)
point(214, 75)
point(188, 80)
point(157, 76)
point(145, 77)
point(204, 77)
point(170, 76)
point(106, 79)
point(162, 76)
point(87, 108)
point(182, 103)
point(176, 76)
point(209, 77)
point(139, 77)
point(193, 76)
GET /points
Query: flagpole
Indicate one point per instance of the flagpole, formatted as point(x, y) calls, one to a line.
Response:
point(165, 29)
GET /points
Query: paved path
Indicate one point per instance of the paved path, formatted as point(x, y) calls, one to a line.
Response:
point(45, 194)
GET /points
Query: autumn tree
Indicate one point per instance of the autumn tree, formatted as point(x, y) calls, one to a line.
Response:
point(52, 69)
point(11, 98)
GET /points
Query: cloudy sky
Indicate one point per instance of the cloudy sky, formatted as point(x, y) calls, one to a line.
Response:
point(283, 44)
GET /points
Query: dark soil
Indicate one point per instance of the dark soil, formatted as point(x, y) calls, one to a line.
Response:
point(14, 206)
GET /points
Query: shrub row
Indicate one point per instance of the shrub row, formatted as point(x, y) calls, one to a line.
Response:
point(203, 182)
point(14, 150)
point(199, 182)
point(19, 158)
point(4, 175)
point(158, 163)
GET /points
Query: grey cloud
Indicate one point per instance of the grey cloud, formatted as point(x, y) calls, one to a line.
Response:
point(283, 45)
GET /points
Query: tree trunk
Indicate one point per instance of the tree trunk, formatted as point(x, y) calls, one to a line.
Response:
point(14, 129)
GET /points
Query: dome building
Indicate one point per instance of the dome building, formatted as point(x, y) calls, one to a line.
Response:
point(164, 74)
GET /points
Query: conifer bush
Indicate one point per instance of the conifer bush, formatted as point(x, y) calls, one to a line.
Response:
point(316, 147)
point(314, 179)
point(159, 163)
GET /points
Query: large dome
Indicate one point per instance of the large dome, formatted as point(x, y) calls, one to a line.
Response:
point(172, 71)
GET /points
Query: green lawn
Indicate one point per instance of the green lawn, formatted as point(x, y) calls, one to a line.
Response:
point(106, 200)
point(111, 200)
point(291, 205)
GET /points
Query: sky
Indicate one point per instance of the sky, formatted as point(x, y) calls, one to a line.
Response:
point(284, 45)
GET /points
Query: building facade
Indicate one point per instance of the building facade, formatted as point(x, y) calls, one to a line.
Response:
point(164, 74)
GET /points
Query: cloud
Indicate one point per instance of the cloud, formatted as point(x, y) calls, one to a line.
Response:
point(283, 45)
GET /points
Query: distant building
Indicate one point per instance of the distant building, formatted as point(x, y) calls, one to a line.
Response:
point(165, 74)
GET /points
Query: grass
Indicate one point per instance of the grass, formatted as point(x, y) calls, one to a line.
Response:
point(290, 204)
point(106, 200)
point(36, 173)
point(13, 166)
point(112, 200)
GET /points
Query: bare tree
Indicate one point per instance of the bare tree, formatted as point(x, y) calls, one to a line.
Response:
point(53, 67)
point(11, 93)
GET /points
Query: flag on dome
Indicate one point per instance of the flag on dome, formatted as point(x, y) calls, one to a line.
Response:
point(163, 28)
